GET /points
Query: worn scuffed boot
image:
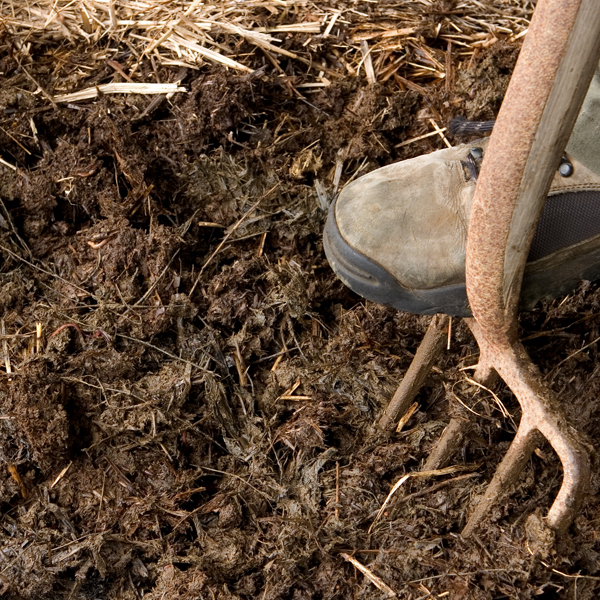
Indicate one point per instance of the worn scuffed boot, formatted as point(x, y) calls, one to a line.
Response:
point(398, 235)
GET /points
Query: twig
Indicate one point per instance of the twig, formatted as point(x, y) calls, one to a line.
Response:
point(14, 473)
point(38, 336)
point(419, 137)
point(368, 62)
point(61, 475)
point(407, 415)
point(501, 406)
point(436, 487)
point(440, 132)
point(376, 581)
point(416, 474)
point(7, 164)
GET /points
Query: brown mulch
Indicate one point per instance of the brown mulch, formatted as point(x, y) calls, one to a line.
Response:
point(187, 390)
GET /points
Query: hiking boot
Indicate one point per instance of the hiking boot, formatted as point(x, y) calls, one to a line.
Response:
point(398, 235)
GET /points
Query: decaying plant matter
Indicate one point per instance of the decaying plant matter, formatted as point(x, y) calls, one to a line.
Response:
point(158, 442)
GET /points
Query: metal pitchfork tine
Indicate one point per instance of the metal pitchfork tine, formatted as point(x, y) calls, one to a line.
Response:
point(551, 78)
point(555, 66)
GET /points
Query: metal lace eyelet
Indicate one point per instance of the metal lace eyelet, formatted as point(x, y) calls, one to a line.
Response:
point(565, 168)
point(476, 153)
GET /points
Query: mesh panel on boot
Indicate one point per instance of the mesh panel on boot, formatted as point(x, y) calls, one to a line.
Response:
point(566, 219)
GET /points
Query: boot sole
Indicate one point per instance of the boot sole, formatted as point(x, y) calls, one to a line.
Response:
point(371, 281)
point(546, 278)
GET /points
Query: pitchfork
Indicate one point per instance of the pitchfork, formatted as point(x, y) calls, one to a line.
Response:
point(553, 72)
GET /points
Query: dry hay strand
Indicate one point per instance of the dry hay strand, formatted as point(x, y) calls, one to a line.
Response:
point(411, 41)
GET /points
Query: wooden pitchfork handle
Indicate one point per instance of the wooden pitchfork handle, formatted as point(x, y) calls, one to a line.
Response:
point(546, 91)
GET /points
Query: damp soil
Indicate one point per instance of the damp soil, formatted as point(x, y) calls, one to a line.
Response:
point(194, 418)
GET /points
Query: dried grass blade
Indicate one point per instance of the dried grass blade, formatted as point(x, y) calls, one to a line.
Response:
point(206, 53)
point(376, 581)
point(121, 88)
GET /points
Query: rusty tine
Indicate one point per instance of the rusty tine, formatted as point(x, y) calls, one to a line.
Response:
point(546, 91)
point(426, 354)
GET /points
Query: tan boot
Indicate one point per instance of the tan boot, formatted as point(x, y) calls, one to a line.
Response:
point(398, 235)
